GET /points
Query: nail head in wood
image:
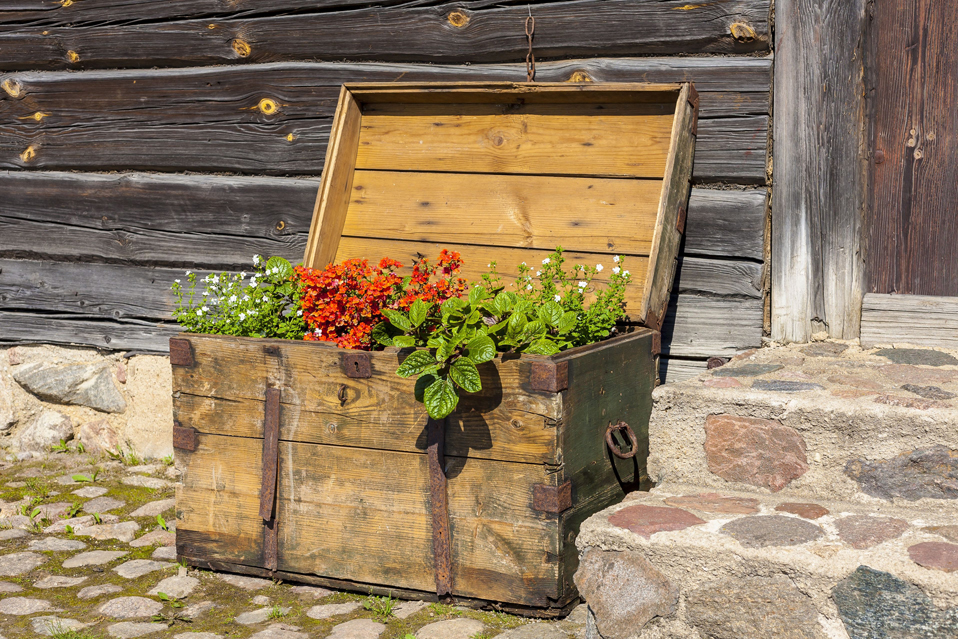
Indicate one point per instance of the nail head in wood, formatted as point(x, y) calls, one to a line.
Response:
point(184, 437)
point(552, 499)
point(551, 377)
point(357, 365)
point(181, 352)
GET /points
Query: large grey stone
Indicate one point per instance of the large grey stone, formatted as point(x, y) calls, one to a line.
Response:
point(131, 629)
point(164, 553)
point(195, 610)
point(58, 581)
point(746, 370)
point(357, 629)
point(6, 586)
point(407, 609)
point(23, 606)
point(12, 533)
point(92, 592)
point(55, 544)
point(461, 628)
point(874, 604)
point(80, 384)
point(139, 567)
point(784, 385)
point(255, 616)
point(154, 508)
point(78, 522)
point(280, 631)
point(102, 505)
point(50, 625)
point(155, 538)
point(90, 492)
point(534, 631)
point(123, 531)
point(176, 586)
point(624, 591)
point(19, 563)
point(314, 592)
point(331, 610)
point(771, 530)
point(93, 558)
point(130, 607)
point(924, 473)
point(917, 356)
point(752, 607)
point(46, 430)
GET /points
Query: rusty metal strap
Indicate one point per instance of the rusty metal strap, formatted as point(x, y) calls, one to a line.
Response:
point(267, 493)
point(439, 505)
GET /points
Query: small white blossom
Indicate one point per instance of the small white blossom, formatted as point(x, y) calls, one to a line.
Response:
point(199, 312)
point(242, 316)
point(529, 287)
point(616, 270)
point(616, 259)
point(538, 273)
point(265, 299)
point(246, 298)
point(188, 273)
point(557, 298)
point(206, 293)
point(523, 264)
point(583, 284)
point(256, 260)
point(317, 331)
point(546, 261)
point(206, 309)
point(626, 273)
point(598, 268)
point(232, 299)
point(177, 281)
point(299, 313)
point(243, 275)
point(214, 301)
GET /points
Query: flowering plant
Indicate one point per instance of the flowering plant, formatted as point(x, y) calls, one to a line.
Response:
point(266, 305)
point(344, 302)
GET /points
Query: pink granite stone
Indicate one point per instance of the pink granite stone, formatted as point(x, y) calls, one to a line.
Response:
point(760, 452)
point(808, 511)
point(647, 520)
point(863, 531)
point(909, 402)
point(936, 555)
point(906, 374)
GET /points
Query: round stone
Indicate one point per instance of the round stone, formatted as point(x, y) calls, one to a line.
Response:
point(93, 558)
point(139, 567)
point(12, 533)
point(102, 505)
point(23, 606)
point(246, 583)
point(461, 628)
point(948, 532)
point(50, 625)
point(863, 531)
point(6, 586)
point(280, 631)
point(357, 629)
point(90, 492)
point(19, 563)
point(130, 607)
point(771, 530)
point(647, 520)
point(176, 586)
point(155, 538)
point(936, 555)
point(91, 592)
point(154, 508)
point(534, 631)
point(58, 581)
point(165, 553)
point(131, 629)
point(331, 610)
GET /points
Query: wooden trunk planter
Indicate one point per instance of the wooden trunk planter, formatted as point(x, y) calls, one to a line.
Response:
point(314, 463)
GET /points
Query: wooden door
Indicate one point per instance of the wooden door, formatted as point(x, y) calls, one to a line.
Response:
point(912, 215)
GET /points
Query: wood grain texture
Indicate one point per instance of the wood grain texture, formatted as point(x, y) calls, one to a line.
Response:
point(912, 229)
point(921, 320)
point(697, 326)
point(818, 196)
point(44, 328)
point(672, 370)
point(579, 214)
point(726, 223)
point(414, 33)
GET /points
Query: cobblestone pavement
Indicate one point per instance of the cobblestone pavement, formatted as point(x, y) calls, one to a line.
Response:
point(87, 552)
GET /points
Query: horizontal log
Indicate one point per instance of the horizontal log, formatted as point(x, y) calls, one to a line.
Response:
point(921, 320)
point(672, 370)
point(727, 149)
point(41, 328)
point(736, 86)
point(220, 222)
point(460, 32)
point(698, 326)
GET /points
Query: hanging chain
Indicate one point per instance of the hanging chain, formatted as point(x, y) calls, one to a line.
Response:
point(530, 58)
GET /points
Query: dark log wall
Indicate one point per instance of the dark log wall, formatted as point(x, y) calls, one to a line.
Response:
point(125, 157)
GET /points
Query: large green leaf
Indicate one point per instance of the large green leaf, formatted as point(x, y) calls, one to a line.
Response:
point(440, 398)
point(381, 334)
point(281, 267)
point(550, 313)
point(542, 346)
point(417, 362)
point(567, 323)
point(504, 302)
point(398, 319)
point(418, 312)
point(481, 349)
point(447, 348)
point(451, 306)
point(477, 294)
point(404, 341)
point(464, 372)
point(533, 329)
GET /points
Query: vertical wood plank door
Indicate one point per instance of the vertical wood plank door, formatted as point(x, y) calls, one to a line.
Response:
point(912, 217)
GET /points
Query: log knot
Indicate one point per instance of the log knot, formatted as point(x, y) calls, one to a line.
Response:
point(743, 32)
point(458, 19)
point(28, 154)
point(580, 76)
point(73, 56)
point(241, 47)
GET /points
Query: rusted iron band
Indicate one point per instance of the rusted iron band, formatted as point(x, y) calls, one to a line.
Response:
point(181, 352)
point(614, 447)
point(549, 376)
point(184, 437)
point(267, 492)
point(270, 545)
point(694, 101)
point(680, 220)
point(656, 342)
point(439, 505)
point(552, 499)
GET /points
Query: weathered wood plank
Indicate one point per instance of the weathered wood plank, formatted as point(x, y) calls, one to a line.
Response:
point(697, 326)
point(718, 277)
point(731, 149)
point(486, 33)
point(673, 370)
point(819, 175)
point(728, 86)
point(922, 320)
point(41, 328)
point(221, 222)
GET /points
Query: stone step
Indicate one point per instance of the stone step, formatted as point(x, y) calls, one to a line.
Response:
point(683, 563)
point(823, 421)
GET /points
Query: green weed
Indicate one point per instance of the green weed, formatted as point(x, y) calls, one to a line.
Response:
point(382, 607)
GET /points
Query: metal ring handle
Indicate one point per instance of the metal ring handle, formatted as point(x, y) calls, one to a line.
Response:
point(614, 447)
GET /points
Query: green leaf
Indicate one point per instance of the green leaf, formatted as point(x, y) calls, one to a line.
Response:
point(398, 319)
point(464, 372)
point(418, 312)
point(481, 349)
point(542, 346)
point(425, 380)
point(417, 362)
point(567, 323)
point(440, 398)
point(550, 313)
point(452, 305)
point(380, 333)
point(504, 302)
point(533, 329)
point(283, 266)
point(517, 322)
point(477, 294)
point(404, 341)
point(81, 478)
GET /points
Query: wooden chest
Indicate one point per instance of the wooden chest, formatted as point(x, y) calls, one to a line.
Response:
point(316, 464)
